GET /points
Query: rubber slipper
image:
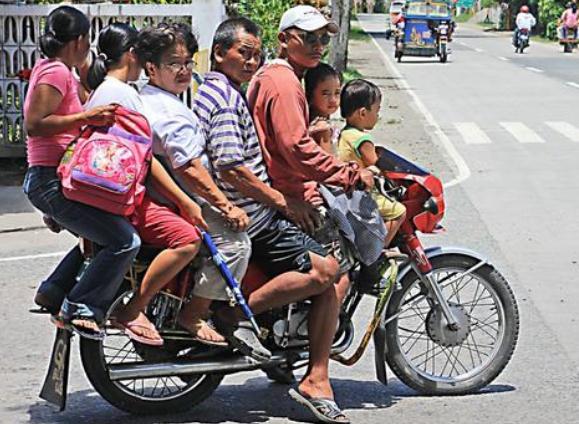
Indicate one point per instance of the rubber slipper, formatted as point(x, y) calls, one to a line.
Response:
point(324, 409)
point(61, 323)
point(201, 339)
point(128, 328)
point(242, 337)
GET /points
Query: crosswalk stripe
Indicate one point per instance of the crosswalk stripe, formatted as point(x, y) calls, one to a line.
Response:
point(471, 133)
point(521, 132)
point(566, 129)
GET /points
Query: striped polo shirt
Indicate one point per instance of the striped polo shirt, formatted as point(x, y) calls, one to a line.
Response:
point(231, 141)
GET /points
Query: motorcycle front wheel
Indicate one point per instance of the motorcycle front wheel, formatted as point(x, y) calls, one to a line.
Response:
point(435, 360)
point(152, 395)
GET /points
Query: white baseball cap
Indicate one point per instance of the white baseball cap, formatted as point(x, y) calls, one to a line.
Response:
point(307, 18)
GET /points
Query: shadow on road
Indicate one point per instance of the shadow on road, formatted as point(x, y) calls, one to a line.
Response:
point(254, 401)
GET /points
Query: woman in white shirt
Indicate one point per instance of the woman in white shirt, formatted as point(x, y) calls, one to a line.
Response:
point(115, 66)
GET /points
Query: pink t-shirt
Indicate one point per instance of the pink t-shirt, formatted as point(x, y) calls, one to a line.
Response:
point(47, 150)
point(569, 18)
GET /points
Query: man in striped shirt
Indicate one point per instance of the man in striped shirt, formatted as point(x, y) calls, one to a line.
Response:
point(299, 266)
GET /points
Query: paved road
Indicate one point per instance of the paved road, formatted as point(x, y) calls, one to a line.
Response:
point(525, 226)
point(514, 123)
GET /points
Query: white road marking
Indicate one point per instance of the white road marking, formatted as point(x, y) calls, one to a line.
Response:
point(27, 257)
point(472, 133)
point(504, 59)
point(573, 84)
point(530, 68)
point(463, 169)
point(478, 50)
point(565, 128)
point(521, 132)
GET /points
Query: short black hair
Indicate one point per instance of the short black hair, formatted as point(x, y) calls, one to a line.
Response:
point(357, 94)
point(64, 24)
point(226, 33)
point(152, 42)
point(315, 76)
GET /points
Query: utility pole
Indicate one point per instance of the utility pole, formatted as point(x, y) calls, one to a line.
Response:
point(339, 43)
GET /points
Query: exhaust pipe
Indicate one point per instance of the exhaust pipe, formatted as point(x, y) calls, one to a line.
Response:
point(226, 364)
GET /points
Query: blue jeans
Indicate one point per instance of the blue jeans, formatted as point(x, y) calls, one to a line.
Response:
point(99, 283)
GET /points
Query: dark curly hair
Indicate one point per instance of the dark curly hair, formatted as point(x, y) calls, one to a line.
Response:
point(152, 42)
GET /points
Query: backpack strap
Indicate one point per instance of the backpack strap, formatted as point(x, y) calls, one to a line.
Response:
point(124, 134)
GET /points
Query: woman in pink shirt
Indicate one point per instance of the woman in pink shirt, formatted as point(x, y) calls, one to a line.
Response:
point(53, 115)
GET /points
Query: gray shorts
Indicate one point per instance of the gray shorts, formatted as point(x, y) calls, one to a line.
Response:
point(236, 251)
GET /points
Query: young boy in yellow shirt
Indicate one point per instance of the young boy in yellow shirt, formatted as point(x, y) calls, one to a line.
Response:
point(360, 106)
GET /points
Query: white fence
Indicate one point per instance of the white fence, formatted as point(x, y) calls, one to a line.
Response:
point(20, 27)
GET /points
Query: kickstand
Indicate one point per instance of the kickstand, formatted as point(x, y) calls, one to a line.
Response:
point(55, 385)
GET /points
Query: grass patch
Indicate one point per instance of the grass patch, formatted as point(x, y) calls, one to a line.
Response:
point(463, 17)
point(350, 74)
point(486, 25)
point(357, 33)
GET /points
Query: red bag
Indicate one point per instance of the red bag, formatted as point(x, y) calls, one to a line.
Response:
point(106, 167)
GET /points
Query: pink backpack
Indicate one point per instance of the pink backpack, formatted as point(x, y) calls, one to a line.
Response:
point(106, 167)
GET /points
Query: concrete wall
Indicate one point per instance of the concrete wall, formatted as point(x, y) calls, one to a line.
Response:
point(20, 26)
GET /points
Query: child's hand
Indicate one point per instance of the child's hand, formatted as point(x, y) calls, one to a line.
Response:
point(319, 126)
point(192, 213)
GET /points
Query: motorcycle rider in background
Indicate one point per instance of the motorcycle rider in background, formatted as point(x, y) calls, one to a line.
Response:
point(568, 21)
point(524, 20)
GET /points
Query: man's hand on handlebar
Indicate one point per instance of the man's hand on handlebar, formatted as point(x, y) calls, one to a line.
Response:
point(367, 179)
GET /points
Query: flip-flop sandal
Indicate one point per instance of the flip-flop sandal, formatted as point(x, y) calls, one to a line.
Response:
point(69, 325)
point(45, 305)
point(128, 328)
point(202, 340)
point(42, 310)
point(242, 337)
point(325, 410)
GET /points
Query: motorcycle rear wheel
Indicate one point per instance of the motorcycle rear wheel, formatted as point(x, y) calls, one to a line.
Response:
point(433, 360)
point(158, 395)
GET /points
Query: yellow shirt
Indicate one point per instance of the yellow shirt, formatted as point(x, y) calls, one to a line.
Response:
point(349, 144)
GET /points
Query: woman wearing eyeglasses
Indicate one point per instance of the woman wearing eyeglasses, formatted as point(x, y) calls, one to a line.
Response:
point(115, 66)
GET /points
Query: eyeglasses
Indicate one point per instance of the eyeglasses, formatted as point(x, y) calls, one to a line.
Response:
point(311, 38)
point(176, 67)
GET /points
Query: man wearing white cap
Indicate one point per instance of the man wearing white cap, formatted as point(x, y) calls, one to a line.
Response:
point(296, 164)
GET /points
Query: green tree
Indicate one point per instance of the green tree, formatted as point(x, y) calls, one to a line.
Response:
point(549, 13)
point(265, 13)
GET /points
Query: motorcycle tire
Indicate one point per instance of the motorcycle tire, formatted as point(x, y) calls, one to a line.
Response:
point(428, 381)
point(122, 397)
point(567, 48)
point(443, 54)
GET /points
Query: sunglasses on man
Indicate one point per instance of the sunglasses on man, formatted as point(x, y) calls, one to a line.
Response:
point(312, 38)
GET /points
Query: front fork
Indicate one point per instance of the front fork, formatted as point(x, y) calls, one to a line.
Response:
point(423, 269)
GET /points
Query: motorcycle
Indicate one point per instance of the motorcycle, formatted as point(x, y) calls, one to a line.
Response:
point(445, 320)
point(522, 40)
point(568, 39)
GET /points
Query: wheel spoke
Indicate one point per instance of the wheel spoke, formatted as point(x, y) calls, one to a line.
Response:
point(476, 298)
